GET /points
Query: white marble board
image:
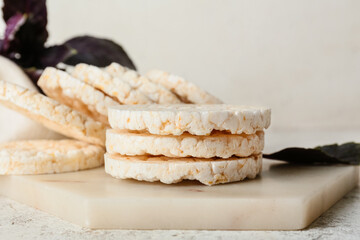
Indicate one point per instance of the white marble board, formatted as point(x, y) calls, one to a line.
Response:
point(285, 197)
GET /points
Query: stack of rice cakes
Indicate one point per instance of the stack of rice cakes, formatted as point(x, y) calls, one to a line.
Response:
point(169, 143)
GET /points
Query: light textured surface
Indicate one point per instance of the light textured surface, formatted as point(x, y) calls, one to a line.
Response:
point(187, 91)
point(76, 94)
point(173, 170)
point(114, 87)
point(156, 92)
point(196, 119)
point(217, 144)
point(18, 221)
point(48, 156)
point(52, 114)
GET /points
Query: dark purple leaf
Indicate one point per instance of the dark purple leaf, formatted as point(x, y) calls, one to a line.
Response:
point(35, 8)
point(53, 55)
point(12, 7)
point(12, 26)
point(27, 41)
point(347, 153)
point(98, 52)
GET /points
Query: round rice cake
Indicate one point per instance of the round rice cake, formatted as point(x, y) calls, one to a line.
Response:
point(195, 119)
point(156, 92)
point(53, 115)
point(11, 72)
point(188, 92)
point(218, 144)
point(76, 94)
point(173, 170)
point(48, 156)
point(114, 87)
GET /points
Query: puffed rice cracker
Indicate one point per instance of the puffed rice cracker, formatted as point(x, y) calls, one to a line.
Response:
point(51, 114)
point(76, 94)
point(48, 156)
point(174, 170)
point(195, 119)
point(217, 144)
point(156, 92)
point(187, 91)
point(113, 87)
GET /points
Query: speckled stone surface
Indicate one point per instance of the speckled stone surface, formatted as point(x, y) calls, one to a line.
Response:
point(17, 221)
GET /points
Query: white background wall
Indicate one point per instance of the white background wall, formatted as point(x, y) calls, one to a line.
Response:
point(300, 57)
